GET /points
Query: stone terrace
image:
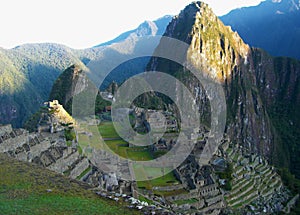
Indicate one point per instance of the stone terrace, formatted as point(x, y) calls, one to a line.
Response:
point(253, 178)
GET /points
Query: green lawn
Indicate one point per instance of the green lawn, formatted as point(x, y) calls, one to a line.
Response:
point(107, 130)
point(118, 146)
point(26, 188)
point(137, 154)
point(166, 180)
point(158, 154)
point(122, 148)
point(92, 140)
point(56, 204)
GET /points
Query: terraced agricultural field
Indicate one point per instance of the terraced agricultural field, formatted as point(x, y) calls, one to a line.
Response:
point(261, 181)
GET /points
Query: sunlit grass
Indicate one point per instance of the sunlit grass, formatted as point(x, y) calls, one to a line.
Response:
point(28, 189)
point(107, 130)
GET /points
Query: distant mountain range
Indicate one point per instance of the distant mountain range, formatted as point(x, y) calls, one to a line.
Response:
point(260, 26)
point(29, 71)
point(273, 25)
point(147, 28)
point(23, 88)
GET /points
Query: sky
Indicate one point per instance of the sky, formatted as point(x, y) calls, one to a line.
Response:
point(86, 23)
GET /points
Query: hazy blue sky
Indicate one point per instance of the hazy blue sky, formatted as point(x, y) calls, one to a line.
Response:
point(81, 24)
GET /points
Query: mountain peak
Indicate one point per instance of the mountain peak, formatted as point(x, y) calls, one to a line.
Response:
point(146, 28)
point(212, 45)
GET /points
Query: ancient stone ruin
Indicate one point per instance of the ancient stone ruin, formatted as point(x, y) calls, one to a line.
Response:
point(254, 183)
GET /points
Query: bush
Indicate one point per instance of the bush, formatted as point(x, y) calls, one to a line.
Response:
point(70, 135)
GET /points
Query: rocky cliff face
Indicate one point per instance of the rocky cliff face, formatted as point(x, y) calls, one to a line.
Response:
point(73, 82)
point(254, 82)
point(278, 84)
point(64, 87)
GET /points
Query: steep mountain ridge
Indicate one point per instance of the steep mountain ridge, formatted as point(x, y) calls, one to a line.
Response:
point(271, 25)
point(147, 28)
point(64, 88)
point(278, 82)
point(28, 73)
point(249, 82)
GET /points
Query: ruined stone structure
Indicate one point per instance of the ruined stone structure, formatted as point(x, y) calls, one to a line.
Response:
point(199, 188)
point(50, 150)
point(253, 178)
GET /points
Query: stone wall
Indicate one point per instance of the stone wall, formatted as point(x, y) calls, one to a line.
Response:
point(189, 195)
point(169, 188)
point(5, 129)
point(210, 190)
point(80, 167)
point(12, 144)
point(62, 164)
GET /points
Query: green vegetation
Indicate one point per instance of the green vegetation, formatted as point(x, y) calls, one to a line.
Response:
point(287, 149)
point(64, 86)
point(293, 184)
point(79, 149)
point(296, 210)
point(70, 134)
point(84, 173)
point(283, 108)
point(100, 104)
point(155, 101)
point(107, 130)
point(89, 141)
point(32, 122)
point(69, 143)
point(138, 154)
point(28, 189)
point(27, 75)
point(118, 146)
point(227, 175)
point(290, 180)
point(143, 199)
point(165, 180)
point(121, 147)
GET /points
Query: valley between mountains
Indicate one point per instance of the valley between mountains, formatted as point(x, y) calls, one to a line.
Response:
point(253, 170)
